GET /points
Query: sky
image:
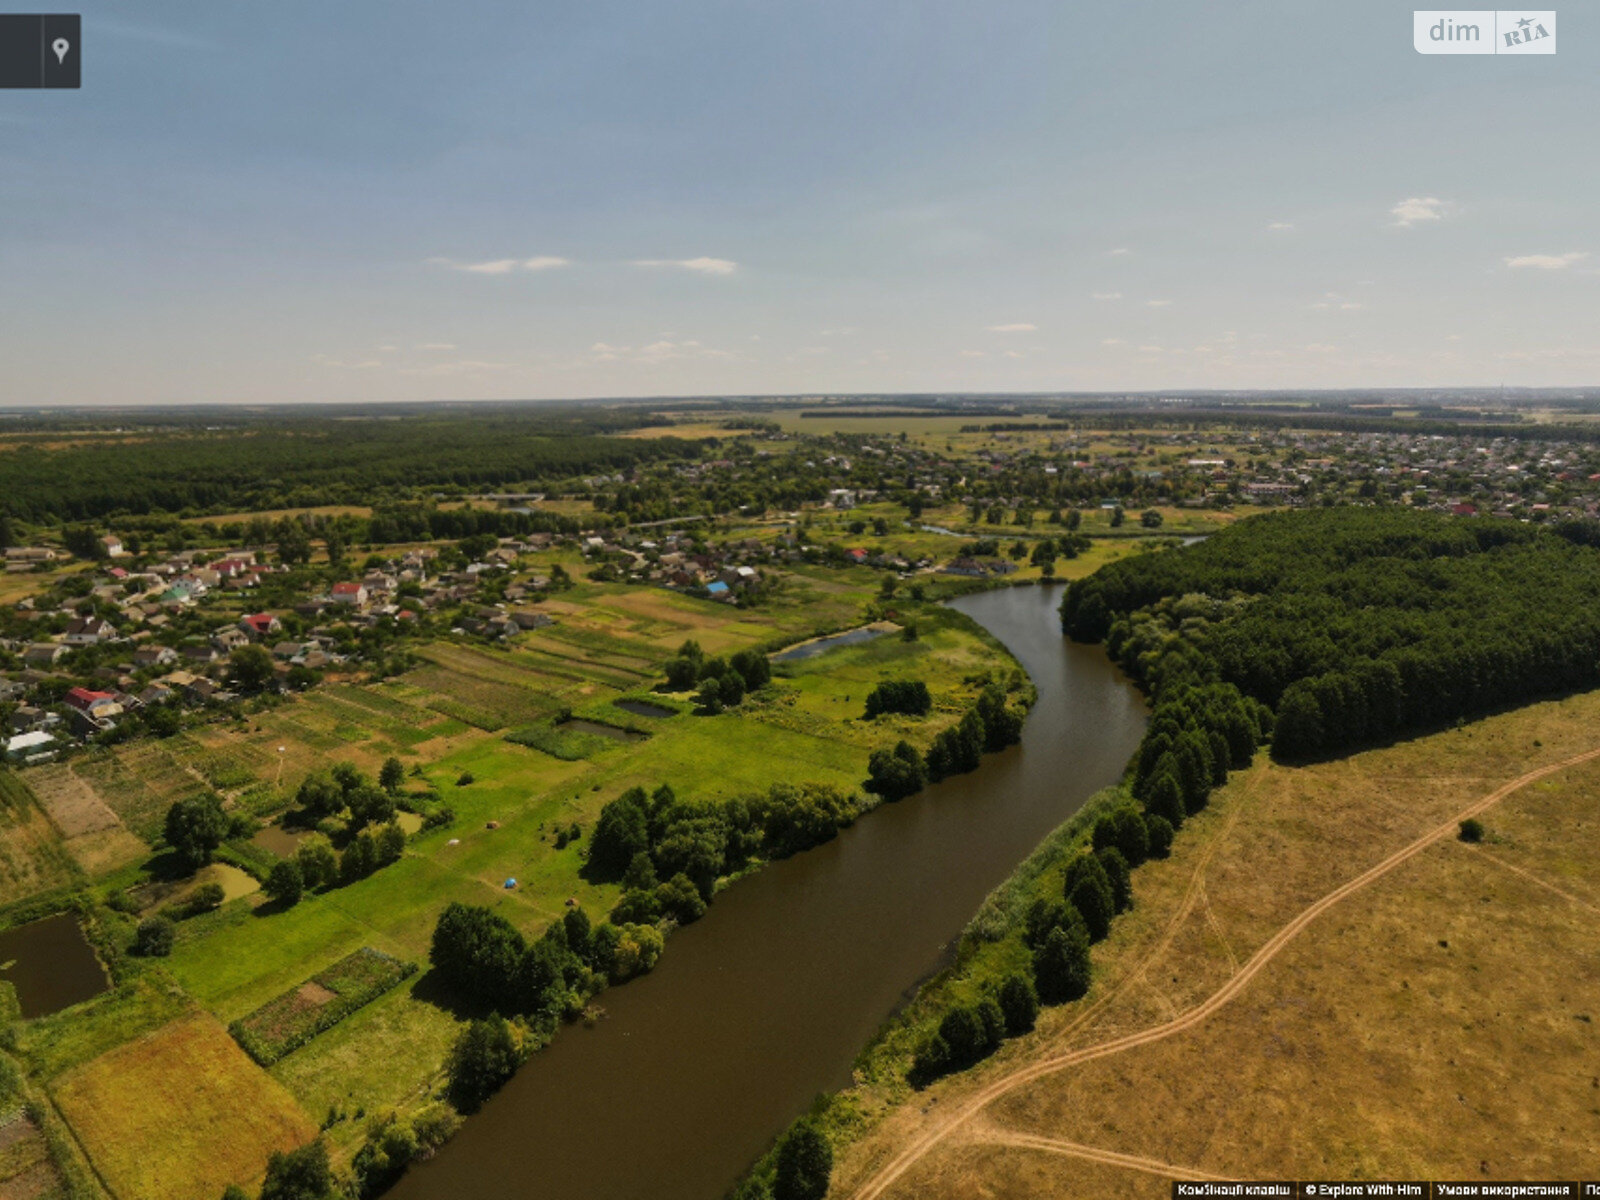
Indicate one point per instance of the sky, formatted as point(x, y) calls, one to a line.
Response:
point(408, 201)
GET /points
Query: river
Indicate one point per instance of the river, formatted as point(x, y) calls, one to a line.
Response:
point(766, 1001)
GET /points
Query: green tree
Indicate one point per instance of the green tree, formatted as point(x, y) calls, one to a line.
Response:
point(709, 697)
point(1061, 963)
point(153, 938)
point(1118, 876)
point(390, 844)
point(359, 858)
point(392, 776)
point(302, 1174)
point(894, 774)
point(1019, 1004)
point(1472, 830)
point(679, 899)
point(195, 827)
point(319, 795)
point(285, 883)
point(484, 1056)
point(804, 1163)
point(1160, 835)
point(1089, 891)
point(250, 668)
point(1150, 519)
point(319, 866)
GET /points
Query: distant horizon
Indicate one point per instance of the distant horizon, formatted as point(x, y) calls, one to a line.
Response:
point(926, 400)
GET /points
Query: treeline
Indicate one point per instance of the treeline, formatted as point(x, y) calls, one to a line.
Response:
point(991, 724)
point(1356, 624)
point(303, 463)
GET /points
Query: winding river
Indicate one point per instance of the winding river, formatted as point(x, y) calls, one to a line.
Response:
point(767, 1000)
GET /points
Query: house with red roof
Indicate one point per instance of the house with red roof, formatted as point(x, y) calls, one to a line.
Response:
point(353, 594)
point(94, 704)
point(260, 625)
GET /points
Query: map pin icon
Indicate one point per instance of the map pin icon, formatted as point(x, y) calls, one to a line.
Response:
point(61, 46)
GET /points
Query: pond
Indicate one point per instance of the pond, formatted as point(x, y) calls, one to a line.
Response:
point(615, 733)
point(818, 645)
point(278, 840)
point(643, 708)
point(767, 1000)
point(51, 964)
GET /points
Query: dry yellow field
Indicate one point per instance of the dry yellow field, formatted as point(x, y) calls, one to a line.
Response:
point(179, 1114)
point(1322, 982)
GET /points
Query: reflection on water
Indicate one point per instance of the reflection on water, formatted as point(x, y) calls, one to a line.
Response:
point(767, 1000)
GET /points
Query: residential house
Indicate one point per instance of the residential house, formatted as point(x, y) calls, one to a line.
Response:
point(43, 655)
point(112, 545)
point(154, 656)
point(352, 594)
point(89, 631)
point(98, 705)
point(259, 626)
point(229, 639)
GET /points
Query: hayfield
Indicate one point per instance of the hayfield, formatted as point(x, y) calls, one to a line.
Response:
point(179, 1114)
point(32, 855)
point(1436, 1023)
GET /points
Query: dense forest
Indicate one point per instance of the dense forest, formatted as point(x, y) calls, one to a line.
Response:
point(305, 462)
point(1356, 624)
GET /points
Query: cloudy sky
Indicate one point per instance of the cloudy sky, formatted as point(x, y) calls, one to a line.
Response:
point(400, 200)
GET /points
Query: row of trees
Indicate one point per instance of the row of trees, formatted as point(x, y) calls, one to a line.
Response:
point(642, 838)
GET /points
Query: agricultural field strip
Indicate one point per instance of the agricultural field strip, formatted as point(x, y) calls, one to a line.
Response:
point(886, 1176)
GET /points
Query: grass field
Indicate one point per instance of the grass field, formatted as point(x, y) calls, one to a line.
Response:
point(32, 855)
point(179, 1114)
point(1437, 1023)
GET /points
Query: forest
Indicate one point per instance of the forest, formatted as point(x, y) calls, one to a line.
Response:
point(1356, 624)
point(305, 462)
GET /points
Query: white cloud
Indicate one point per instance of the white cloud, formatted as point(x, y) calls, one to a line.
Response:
point(367, 364)
point(1111, 341)
point(662, 350)
point(1013, 354)
point(1105, 295)
point(973, 354)
point(1350, 304)
point(1019, 327)
point(386, 348)
point(1281, 225)
point(503, 266)
point(1151, 350)
point(466, 366)
point(1547, 262)
point(1419, 208)
point(1119, 252)
point(436, 346)
point(1157, 303)
point(704, 266)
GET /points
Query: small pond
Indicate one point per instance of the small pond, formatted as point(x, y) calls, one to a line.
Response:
point(278, 840)
point(579, 725)
point(816, 646)
point(643, 708)
point(51, 964)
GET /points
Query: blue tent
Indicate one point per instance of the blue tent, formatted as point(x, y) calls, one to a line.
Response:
point(512, 882)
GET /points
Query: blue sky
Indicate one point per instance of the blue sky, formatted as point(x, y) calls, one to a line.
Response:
point(364, 201)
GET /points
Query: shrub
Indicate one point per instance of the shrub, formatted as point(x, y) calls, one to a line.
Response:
point(1118, 876)
point(908, 696)
point(1472, 830)
point(895, 774)
point(153, 938)
point(204, 899)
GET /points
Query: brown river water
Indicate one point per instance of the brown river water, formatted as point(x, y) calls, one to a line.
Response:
point(767, 1000)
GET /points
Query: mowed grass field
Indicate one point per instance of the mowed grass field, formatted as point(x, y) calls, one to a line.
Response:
point(179, 1114)
point(1438, 1023)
